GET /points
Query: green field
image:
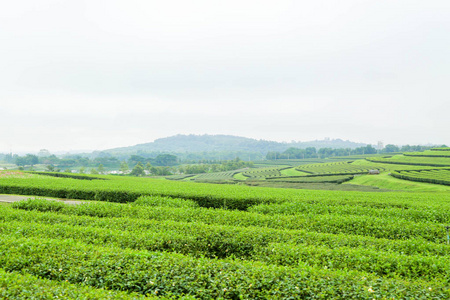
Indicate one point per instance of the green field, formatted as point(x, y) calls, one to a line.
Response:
point(436, 152)
point(317, 231)
point(339, 168)
point(216, 176)
point(335, 245)
point(263, 173)
point(286, 176)
point(385, 181)
point(434, 176)
point(413, 160)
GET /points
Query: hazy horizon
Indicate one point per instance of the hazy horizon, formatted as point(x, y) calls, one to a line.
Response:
point(96, 75)
point(78, 151)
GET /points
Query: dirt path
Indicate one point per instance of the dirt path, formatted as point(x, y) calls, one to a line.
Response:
point(15, 198)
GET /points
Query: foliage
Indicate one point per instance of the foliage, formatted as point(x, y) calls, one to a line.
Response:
point(338, 168)
point(138, 170)
point(353, 246)
point(182, 239)
point(436, 176)
point(164, 201)
point(434, 161)
point(14, 285)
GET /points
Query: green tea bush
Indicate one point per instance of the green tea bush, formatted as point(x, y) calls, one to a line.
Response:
point(25, 286)
point(164, 201)
point(156, 273)
point(39, 204)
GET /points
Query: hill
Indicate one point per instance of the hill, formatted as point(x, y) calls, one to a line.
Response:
point(223, 143)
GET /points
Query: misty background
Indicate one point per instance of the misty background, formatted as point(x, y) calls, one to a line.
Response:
point(95, 74)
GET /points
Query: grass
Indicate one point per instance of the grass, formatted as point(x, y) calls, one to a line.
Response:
point(239, 176)
point(315, 186)
point(386, 181)
point(292, 172)
point(389, 167)
point(414, 160)
point(289, 244)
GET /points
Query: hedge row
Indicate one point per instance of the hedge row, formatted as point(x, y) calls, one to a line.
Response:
point(69, 193)
point(152, 273)
point(65, 175)
point(425, 155)
point(25, 286)
point(121, 196)
point(239, 244)
point(123, 190)
point(420, 179)
point(313, 179)
point(405, 163)
point(254, 227)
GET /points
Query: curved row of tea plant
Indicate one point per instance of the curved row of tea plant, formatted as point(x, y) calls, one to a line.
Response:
point(335, 244)
point(128, 189)
point(436, 176)
point(430, 153)
point(156, 273)
point(216, 176)
point(314, 179)
point(14, 285)
point(153, 234)
point(390, 223)
point(263, 173)
point(412, 160)
point(338, 168)
point(224, 241)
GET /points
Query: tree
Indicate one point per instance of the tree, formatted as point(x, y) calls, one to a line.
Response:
point(20, 161)
point(148, 167)
point(82, 169)
point(31, 159)
point(135, 159)
point(391, 148)
point(138, 170)
point(166, 160)
point(124, 167)
point(370, 150)
point(94, 171)
point(100, 169)
point(50, 168)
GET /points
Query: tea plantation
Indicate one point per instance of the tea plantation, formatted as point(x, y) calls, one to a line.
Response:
point(165, 239)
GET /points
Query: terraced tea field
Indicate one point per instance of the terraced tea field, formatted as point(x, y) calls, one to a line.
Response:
point(442, 152)
point(436, 176)
point(263, 173)
point(413, 160)
point(175, 239)
point(217, 176)
point(268, 243)
point(338, 168)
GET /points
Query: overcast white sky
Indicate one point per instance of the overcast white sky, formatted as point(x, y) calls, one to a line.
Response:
point(102, 74)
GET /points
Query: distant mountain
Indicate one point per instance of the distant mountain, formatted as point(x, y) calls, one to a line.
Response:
point(222, 143)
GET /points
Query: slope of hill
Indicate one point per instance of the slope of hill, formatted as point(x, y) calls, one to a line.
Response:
point(216, 143)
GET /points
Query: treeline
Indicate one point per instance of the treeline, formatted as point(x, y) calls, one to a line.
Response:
point(406, 148)
point(78, 161)
point(136, 165)
point(65, 162)
point(215, 167)
point(140, 169)
point(312, 152)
